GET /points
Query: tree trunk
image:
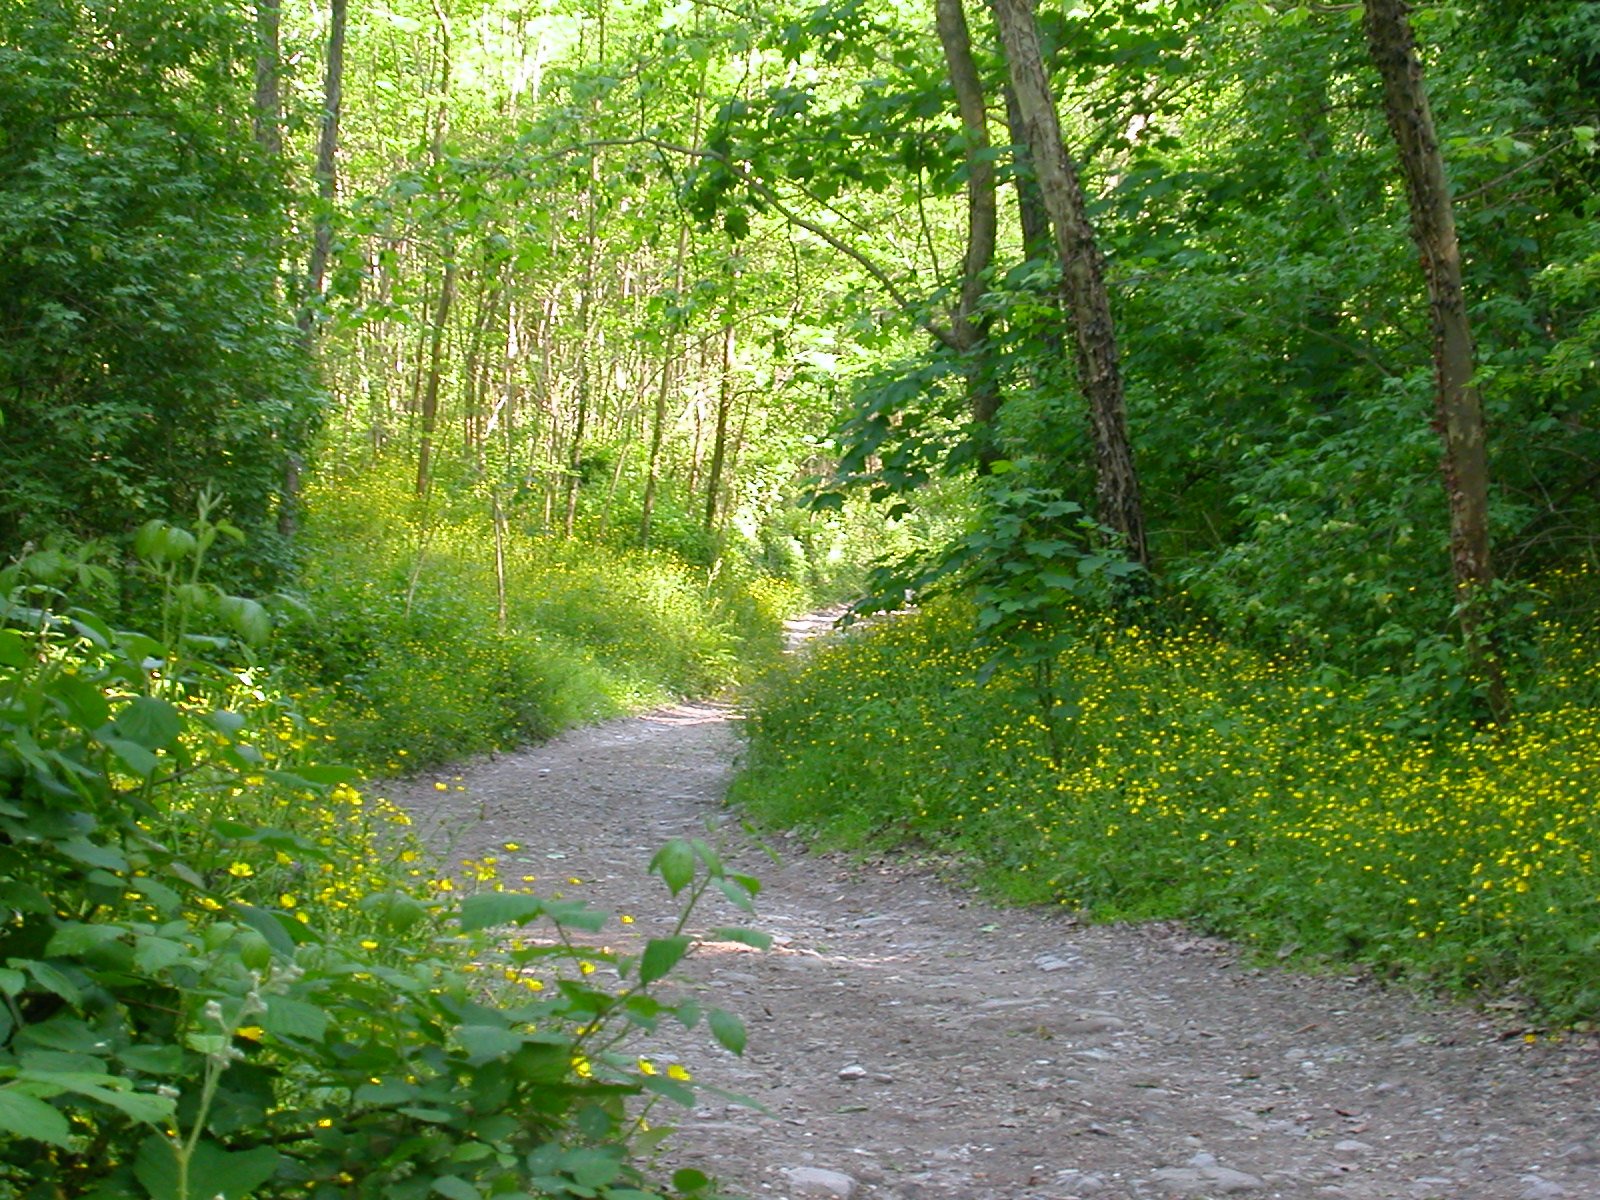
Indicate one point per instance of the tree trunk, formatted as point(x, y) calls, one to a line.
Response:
point(968, 329)
point(326, 169)
point(719, 445)
point(586, 312)
point(1458, 410)
point(322, 231)
point(268, 106)
point(1083, 275)
point(430, 392)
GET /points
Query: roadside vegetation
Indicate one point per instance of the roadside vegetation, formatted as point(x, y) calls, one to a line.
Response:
point(1319, 817)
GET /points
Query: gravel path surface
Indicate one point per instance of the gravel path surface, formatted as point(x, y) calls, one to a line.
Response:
point(909, 1041)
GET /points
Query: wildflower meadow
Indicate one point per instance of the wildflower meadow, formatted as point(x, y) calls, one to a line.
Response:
point(1256, 796)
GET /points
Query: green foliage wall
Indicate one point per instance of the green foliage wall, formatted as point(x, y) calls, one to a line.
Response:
point(145, 346)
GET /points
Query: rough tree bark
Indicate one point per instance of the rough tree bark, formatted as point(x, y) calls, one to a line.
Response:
point(1083, 275)
point(1458, 409)
point(968, 328)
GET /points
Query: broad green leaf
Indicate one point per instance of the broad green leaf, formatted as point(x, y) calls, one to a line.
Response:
point(707, 855)
point(213, 1171)
point(13, 650)
point(134, 756)
point(679, 1093)
point(591, 1168)
point(499, 908)
point(674, 862)
point(727, 1029)
point(149, 722)
point(735, 895)
point(30, 1117)
point(485, 1042)
point(152, 1060)
point(51, 979)
point(660, 956)
point(294, 1019)
point(75, 939)
point(453, 1187)
point(91, 854)
point(689, 1180)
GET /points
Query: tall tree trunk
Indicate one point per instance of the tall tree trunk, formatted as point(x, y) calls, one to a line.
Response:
point(968, 329)
point(1458, 410)
point(430, 392)
point(586, 308)
point(321, 237)
point(326, 169)
point(1083, 273)
point(719, 444)
point(268, 106)
point(498, 515)
point(1031, 212)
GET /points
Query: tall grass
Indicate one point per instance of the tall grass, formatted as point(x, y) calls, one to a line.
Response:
point(404, 639)
point(1259, 797)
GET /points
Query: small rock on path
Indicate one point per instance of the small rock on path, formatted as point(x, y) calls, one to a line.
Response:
point(909, 1041)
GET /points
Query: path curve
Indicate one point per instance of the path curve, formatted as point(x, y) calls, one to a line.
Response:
point(910, 1042)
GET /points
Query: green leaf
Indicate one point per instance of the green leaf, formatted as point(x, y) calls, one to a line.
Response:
point(674, 862)
point(134, 756)
point(13, 650)
point(484, 1043)
point(499, 908)
point(294, 1019)
point(92, 855)
point(735, 895)
point(152, 1060)
point(148, 722)
point(111, 1090)
point(30, 1117)
point(727, 1029)
point(74, 940)
point(51, 979)
point(707, 855)
point(453, 1187)
point(660, 956)
point(213, 1171)
point(690, 1180)
point(671, 1089)
point(156, 954)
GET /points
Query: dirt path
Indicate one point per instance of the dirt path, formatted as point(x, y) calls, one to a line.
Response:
point(911, 1042)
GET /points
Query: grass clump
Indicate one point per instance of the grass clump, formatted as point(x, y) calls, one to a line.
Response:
point(1258, 797)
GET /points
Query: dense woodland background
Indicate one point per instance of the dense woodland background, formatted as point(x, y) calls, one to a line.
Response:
point(1219, 376)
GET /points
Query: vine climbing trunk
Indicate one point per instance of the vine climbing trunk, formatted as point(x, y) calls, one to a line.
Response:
point(1083, 277)
point(1457, 406)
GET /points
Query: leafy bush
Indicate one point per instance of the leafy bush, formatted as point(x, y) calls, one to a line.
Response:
point(226, 973)
point(1263, 797)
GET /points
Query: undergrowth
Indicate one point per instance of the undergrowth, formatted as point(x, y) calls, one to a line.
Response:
point(408, 647)
point(227, 973)
point(1259, 797)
